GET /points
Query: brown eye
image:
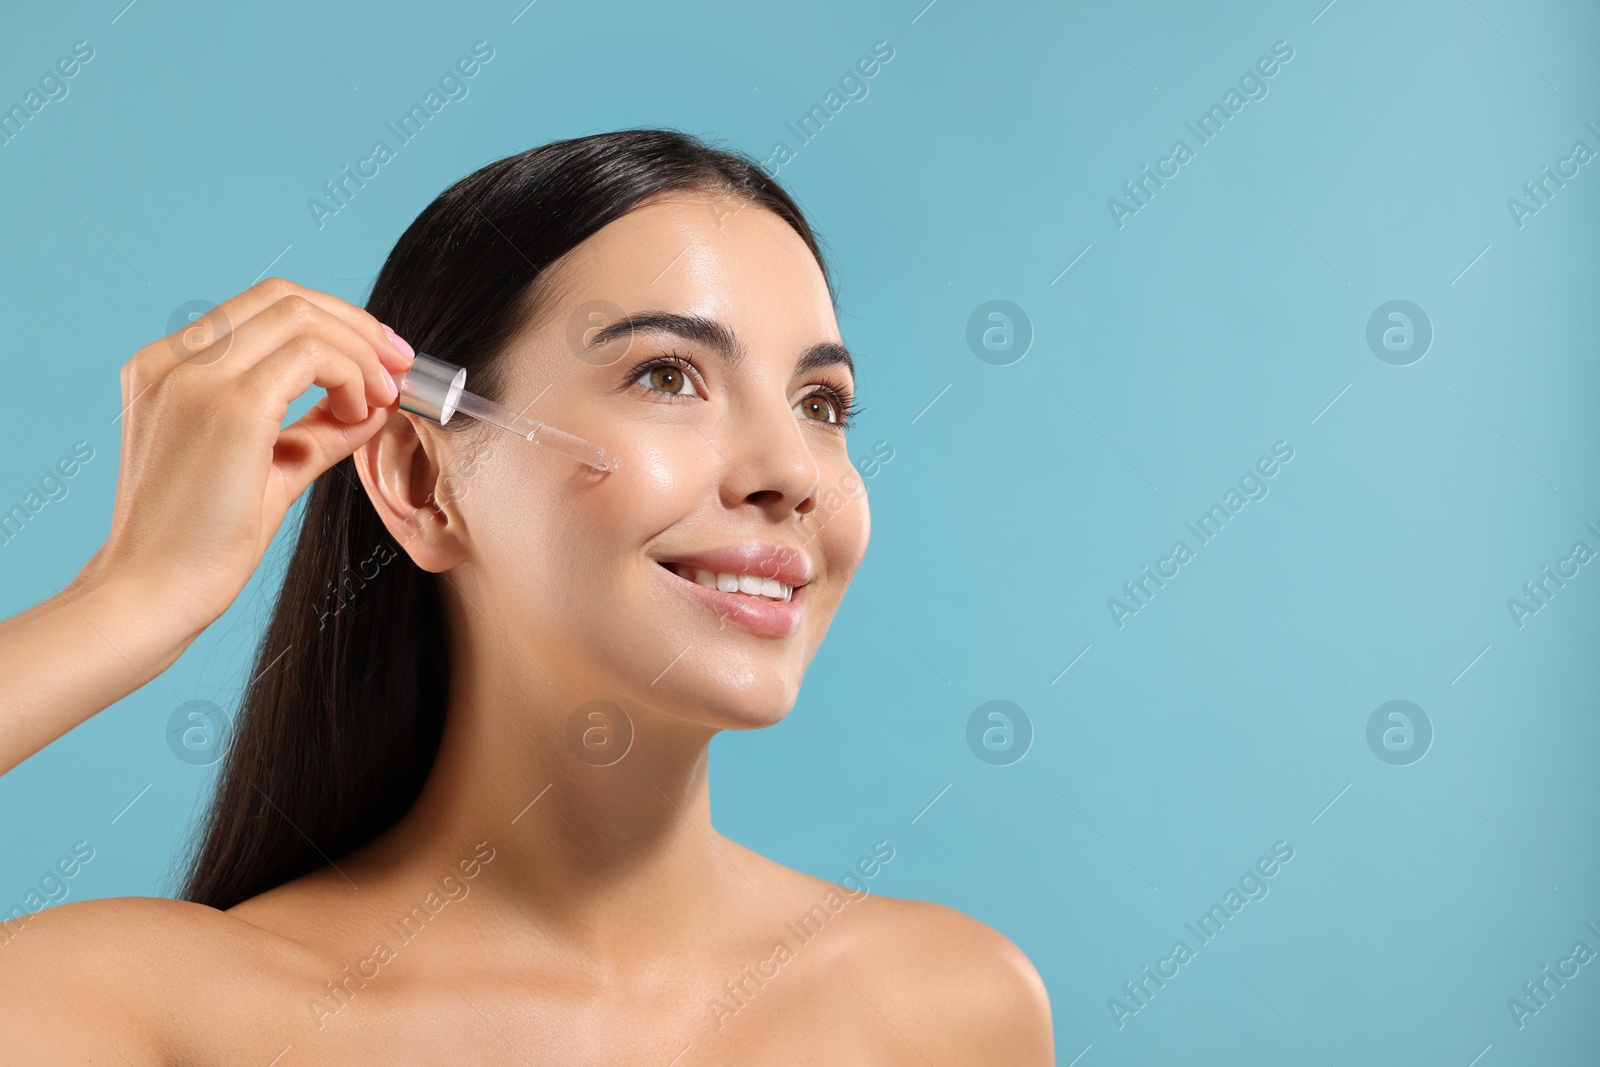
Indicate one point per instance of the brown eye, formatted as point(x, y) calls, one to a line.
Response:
point(667, 378)
point(819, 404)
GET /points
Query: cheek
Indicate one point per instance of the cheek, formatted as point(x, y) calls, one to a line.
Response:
point(662, 479)
point(845, 531)
point(663, 469)
point(566, 536)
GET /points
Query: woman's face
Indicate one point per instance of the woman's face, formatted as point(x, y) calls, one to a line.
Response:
point(733, 461)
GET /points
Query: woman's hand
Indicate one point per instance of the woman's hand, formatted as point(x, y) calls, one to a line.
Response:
point(208, 469)
point(208, 473)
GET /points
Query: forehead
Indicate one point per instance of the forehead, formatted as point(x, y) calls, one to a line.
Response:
point(712, 255)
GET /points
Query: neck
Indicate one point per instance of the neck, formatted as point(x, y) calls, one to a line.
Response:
point(591, 843)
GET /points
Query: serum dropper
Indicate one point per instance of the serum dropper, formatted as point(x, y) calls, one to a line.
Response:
point(436, 389)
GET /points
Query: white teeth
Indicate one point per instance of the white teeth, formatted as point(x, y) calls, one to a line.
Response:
point(748, 584)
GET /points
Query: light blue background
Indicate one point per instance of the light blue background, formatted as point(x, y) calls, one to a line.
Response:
point(1228, 314)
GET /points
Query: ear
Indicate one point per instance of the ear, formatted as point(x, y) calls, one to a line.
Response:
point(402, 468)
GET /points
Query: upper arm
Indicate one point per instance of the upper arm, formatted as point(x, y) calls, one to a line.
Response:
point(59, 998)
point(92, 981)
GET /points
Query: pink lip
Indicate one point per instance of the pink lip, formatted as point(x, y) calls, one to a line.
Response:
point(788, 565)
point(762, 617)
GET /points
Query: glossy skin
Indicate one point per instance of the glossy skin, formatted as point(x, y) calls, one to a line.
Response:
point(603, 914)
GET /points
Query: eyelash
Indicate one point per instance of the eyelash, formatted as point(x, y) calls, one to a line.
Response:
point(842, 399)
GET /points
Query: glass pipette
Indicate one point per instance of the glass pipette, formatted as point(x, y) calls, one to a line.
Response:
point(436, 389)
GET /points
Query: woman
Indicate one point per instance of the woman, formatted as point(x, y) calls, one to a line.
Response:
point(464, 813)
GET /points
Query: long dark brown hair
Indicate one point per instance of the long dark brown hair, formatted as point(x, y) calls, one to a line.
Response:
point(339, 727)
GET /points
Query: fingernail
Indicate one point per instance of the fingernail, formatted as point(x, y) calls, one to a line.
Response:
point(399, 343)
point(394, 390)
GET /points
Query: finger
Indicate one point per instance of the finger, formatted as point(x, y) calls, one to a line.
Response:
point(317, 440)
point(301, 362)
point(295, 320)
point(397, 357)
point(217, 323)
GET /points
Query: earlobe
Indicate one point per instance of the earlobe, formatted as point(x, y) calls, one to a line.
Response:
point(400, 470)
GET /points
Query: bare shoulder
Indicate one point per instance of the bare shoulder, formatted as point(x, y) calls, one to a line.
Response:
point(973, 993)
point(92, 980)
point(956, 989)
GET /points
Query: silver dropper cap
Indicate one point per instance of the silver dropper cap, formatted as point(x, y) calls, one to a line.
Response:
point(432, 387)
point(436, 389)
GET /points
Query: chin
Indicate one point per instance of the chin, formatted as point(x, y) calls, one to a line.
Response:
point(738, 697)
point(753, 717)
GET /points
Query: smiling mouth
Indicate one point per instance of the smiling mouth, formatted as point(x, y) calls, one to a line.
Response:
point(750, 585)
point(743, 599)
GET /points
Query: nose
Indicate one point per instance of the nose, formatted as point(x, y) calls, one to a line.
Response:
point(770, 463)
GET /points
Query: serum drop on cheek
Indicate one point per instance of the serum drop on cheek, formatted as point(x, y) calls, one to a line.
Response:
point(436, 389)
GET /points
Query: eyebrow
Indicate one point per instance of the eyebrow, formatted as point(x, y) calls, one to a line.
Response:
point(717, 337)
